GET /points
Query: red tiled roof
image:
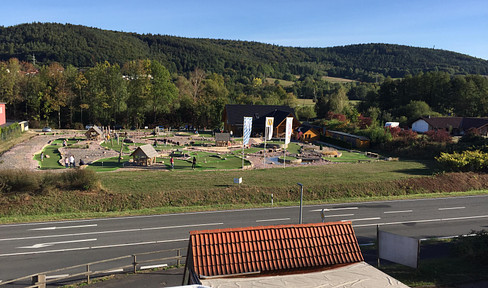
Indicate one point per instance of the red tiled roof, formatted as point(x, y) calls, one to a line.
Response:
point(271, 248)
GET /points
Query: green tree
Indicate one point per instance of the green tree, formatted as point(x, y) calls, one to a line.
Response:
point(163, 92)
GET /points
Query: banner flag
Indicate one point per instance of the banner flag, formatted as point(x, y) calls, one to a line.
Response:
point(289, 129)
point(247, 130)
point(268, 131)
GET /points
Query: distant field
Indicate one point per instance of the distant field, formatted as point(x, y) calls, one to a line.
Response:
point(283, 83)
point(305, 102)
point(337, 80)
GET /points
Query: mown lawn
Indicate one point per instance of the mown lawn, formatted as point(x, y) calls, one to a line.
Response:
point(333, 174)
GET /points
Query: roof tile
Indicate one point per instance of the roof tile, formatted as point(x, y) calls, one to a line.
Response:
point(271, 248)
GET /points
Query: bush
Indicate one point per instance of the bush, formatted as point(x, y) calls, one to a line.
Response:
point(465, 161)
point(80, 179)
point(474, 248)
point(21, 181)
point(78, 126)
point(439, 136)
point(12, 181)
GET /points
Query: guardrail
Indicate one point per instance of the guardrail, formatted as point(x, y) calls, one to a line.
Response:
point(40, 280)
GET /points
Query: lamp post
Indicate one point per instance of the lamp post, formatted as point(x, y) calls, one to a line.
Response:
point(301, 202)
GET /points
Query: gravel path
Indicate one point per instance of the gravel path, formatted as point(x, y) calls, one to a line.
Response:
point(21, 155)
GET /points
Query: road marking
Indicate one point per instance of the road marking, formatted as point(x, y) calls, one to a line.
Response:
point(338, 215)
point(451, 208)
point(57, 276)
point(362, 219)
point(394, 212)
point(335, 209)
point(43, 245)
point(270, 220)
point(230, 211)
point(424, 221)
point(63, 227)
point(153, 266)
point(88, 248)
point(112, 271)
point(112, 231)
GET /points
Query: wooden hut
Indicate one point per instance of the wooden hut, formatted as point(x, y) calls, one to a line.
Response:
point(94, 133)
point(222, 139)
point(308, 134)
point(144, 155)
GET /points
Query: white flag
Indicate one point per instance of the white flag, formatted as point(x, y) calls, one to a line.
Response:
point(268, 131)
point(247, 130)
point(289, 129)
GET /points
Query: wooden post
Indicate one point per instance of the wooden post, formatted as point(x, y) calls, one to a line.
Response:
point(178, 253)
point(39, 280)
point(88, 274)
point(134, 263)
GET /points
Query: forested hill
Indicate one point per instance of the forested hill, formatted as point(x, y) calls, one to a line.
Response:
point(83, 46)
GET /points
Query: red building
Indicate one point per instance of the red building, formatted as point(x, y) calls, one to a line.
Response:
point(3, 118)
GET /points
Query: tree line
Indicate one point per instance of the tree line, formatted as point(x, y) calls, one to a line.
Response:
point(83, 46)
point(135, 94)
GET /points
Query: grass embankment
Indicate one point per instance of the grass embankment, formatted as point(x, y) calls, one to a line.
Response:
point(147, 192)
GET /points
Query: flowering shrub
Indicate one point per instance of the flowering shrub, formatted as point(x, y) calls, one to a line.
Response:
point(465, 161)
point(364, 122)
point(331, 115)
point(439, 136)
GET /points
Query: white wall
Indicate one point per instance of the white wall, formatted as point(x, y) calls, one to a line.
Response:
point(420, 126)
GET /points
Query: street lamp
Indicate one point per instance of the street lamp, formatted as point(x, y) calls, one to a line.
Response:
point(301, 201)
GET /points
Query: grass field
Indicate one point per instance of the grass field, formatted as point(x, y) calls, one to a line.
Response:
point(305, 102)
point(156, 182)
point(337, 80)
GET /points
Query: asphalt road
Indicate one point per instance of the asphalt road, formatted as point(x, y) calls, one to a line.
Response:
point(35, 247)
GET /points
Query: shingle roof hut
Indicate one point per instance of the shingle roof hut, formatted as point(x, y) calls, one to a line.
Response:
point(144, 155)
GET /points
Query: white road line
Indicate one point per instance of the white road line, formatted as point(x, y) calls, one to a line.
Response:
point(271, 220)
point(113, 271)
point(335, 209)
point(231, 211)
point(43, 245)
point(56, 276)
point(362, 219)
point(424, 221)
point(94, 247)
point(394, 212)
point(111, 231)
point(338, 215)
point(153, 266)
point(451, 208)
point(63, 227)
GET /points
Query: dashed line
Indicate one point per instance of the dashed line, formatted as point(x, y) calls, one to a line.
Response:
point(362, 219)
point(394, 212)
point(339, 215)
point(270, 220)
point(451, 208)
point(335, 209)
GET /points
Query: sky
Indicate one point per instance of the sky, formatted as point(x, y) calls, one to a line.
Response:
point(459, 26)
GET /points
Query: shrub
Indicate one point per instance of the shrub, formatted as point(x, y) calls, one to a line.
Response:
point(18, 181)
point(464, 161)
point(474, 248)
point(15, 181)
point(439, 136)
point(79, 179)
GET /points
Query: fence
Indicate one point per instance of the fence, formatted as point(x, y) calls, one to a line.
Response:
point(9, 132)
point(136, 262)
